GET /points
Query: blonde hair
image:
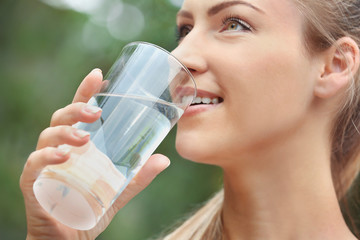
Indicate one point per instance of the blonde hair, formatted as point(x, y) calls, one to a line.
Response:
point(326, 21)
point(204, 224)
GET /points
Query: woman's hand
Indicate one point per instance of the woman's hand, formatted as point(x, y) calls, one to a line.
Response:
point(39, 223)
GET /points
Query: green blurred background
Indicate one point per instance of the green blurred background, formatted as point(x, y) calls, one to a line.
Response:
point(46, 48)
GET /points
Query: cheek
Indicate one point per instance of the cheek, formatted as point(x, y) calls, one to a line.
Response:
point(269, 96)
point(269, 75)
point(266, 95)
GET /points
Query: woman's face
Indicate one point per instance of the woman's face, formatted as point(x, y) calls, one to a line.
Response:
point(249, 61)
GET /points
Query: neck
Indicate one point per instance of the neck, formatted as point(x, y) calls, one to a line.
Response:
point(283, 192)
point(265, 208)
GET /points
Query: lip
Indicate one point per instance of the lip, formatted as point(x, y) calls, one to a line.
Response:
point(190, 91)
point(196, 109)
point(185, 91)
point(203, 93)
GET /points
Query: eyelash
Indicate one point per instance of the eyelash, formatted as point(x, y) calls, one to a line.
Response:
point(179, 31)
point(225, 21)
point(229, 19)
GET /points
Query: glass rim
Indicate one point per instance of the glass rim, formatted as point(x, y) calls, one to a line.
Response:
point(170, 54)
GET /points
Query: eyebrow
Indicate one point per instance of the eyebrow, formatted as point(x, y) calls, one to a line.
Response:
point(217, 8)
point(185, 14)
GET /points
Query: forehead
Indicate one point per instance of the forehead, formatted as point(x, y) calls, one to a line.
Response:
point(278, 9)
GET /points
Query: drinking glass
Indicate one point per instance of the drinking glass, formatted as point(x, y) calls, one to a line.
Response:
point(143, 96)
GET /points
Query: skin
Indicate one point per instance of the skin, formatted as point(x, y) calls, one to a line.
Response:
point(40, 225)
point(270, 134)
point(274, 77)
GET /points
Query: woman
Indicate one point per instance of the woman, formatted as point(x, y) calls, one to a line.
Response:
point(283, 125)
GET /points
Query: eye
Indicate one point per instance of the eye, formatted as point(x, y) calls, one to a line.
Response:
point(234, 24)
point(182, 31)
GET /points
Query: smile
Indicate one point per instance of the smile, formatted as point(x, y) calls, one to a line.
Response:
point(203, 102)
point(206, 100)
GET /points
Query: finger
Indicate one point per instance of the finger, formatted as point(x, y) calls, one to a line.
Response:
point(76, 112)
point(38, 160)
point(55, 136)
point(89, 86)
point(155, 165)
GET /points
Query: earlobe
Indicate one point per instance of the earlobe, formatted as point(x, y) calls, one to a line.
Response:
point(340, 65)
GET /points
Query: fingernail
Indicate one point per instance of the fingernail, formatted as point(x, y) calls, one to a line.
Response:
point(81, 133)
point(168, 164)
point(96, 70)
point(63, 150)
point(92, 109)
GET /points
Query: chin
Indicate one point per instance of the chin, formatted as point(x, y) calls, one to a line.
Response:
point(193, 151)
point(187, 148)
point(198, 144)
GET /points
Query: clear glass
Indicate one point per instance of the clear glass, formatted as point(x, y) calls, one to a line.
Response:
point(145, 93)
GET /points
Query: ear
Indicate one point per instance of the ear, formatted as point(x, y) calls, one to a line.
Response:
point(340, 66)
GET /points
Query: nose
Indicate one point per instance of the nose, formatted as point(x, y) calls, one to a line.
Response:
point(191, 54)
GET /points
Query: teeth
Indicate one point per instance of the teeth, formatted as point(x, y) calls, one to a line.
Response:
point(198, 100)
point(187, 99)
point(206, 100)
point(215, 101)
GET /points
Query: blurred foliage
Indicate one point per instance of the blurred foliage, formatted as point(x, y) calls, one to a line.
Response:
point(44, 54)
